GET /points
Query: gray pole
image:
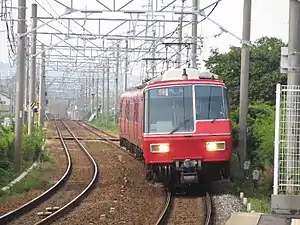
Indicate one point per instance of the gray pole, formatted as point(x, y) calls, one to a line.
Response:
point(32, 85)
point(294, 43)
point(293, 79)
point(86, 96)
point(103, 90)
point(107, 90)
point(92, 103)
point(89, 88)
point(21, 59)
point(153, 52)
point(26, 103)
point(117, 82)
point(97, 94)
point(126, 67)
point(245, 60)
point(42, 89)
point(194, 34)
point(179, 40)
point(92, 94)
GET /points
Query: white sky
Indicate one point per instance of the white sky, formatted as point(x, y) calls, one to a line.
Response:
point(269, 18)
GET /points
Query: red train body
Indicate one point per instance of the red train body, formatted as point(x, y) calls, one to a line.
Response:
point(179, 123)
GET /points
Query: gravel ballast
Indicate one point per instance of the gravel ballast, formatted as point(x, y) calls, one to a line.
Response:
point(122, 196)
point(225, 202)
point(52, 171)
point(80, 177)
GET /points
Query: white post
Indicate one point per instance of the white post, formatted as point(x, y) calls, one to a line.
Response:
point(277, 139)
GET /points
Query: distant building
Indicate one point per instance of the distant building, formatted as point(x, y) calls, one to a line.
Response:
point(5, 103)
point(4, 70)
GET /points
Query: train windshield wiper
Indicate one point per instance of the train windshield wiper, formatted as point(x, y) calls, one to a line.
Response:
point(180, 125)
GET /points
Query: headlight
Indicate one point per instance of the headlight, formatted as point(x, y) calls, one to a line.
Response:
point(157, 148)
point(215, 146)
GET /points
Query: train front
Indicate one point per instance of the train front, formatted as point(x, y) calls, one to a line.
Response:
point(187, 131)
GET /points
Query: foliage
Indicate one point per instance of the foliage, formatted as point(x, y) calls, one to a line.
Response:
point(107, 123)
point(32, 149)
point(6, 154)
point(264, 71)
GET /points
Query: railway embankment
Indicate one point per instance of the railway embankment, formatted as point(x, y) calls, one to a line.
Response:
point(49, 169)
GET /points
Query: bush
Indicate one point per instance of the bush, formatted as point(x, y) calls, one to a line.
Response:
point(260, 151)
point(32, 149)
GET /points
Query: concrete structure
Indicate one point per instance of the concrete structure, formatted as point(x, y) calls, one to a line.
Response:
point(262, 219)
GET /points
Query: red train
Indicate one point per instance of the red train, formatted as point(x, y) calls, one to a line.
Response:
point(179, 123)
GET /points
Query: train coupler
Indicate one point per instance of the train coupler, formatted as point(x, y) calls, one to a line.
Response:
point(189, 178)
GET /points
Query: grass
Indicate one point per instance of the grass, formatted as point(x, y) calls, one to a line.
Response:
point(259, 195)
point(106, 124)
point(36, 179)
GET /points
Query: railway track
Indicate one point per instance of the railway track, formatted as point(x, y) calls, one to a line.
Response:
point(73, 186)
point(175, 209)
point(186, 210)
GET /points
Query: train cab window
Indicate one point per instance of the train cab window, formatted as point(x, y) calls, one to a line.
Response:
point(169, 108)
point(211, 102)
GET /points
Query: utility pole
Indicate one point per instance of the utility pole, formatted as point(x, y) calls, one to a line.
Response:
point(294, 43)
point(103, 90)
point(292, 98)
point(194, 34)
point(20, 86)
point(26, 102)
point(32, 85)
point(117, 82)
point(153, 52)
point(42, 89)
point(244, 80)
point(126, 66)
point(180, 35)
point(86, 96)
point(107, 90)
point(93, 94)
point(92, 103)
point(97, 94)
point(179, 40)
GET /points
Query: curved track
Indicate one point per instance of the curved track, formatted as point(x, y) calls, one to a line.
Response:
point(198, 210)
point(201, 206)
point(26, 214)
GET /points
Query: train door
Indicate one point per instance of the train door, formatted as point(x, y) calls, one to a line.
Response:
point(132, 120)
point(127, 119)
point(136, 124)
point(140, 121)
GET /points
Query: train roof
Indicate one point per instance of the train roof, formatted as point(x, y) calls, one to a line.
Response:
point(184, 74)
point(178, 74)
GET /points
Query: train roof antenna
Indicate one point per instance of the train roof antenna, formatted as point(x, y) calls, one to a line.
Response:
point(184, 74)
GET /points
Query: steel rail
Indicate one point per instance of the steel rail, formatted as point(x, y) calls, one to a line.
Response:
point(51, 218)
point(166, 210)
point(208, 209)
point(16, 213)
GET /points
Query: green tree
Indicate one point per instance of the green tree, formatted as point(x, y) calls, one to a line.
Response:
point(264, 70)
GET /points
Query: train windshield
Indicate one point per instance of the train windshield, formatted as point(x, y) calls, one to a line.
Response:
point(169, 108)
point(211, 102)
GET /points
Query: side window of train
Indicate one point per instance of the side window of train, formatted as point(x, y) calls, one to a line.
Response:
point(121, 110)
point(126, 108)
point(132, 111)
point(136, 104)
